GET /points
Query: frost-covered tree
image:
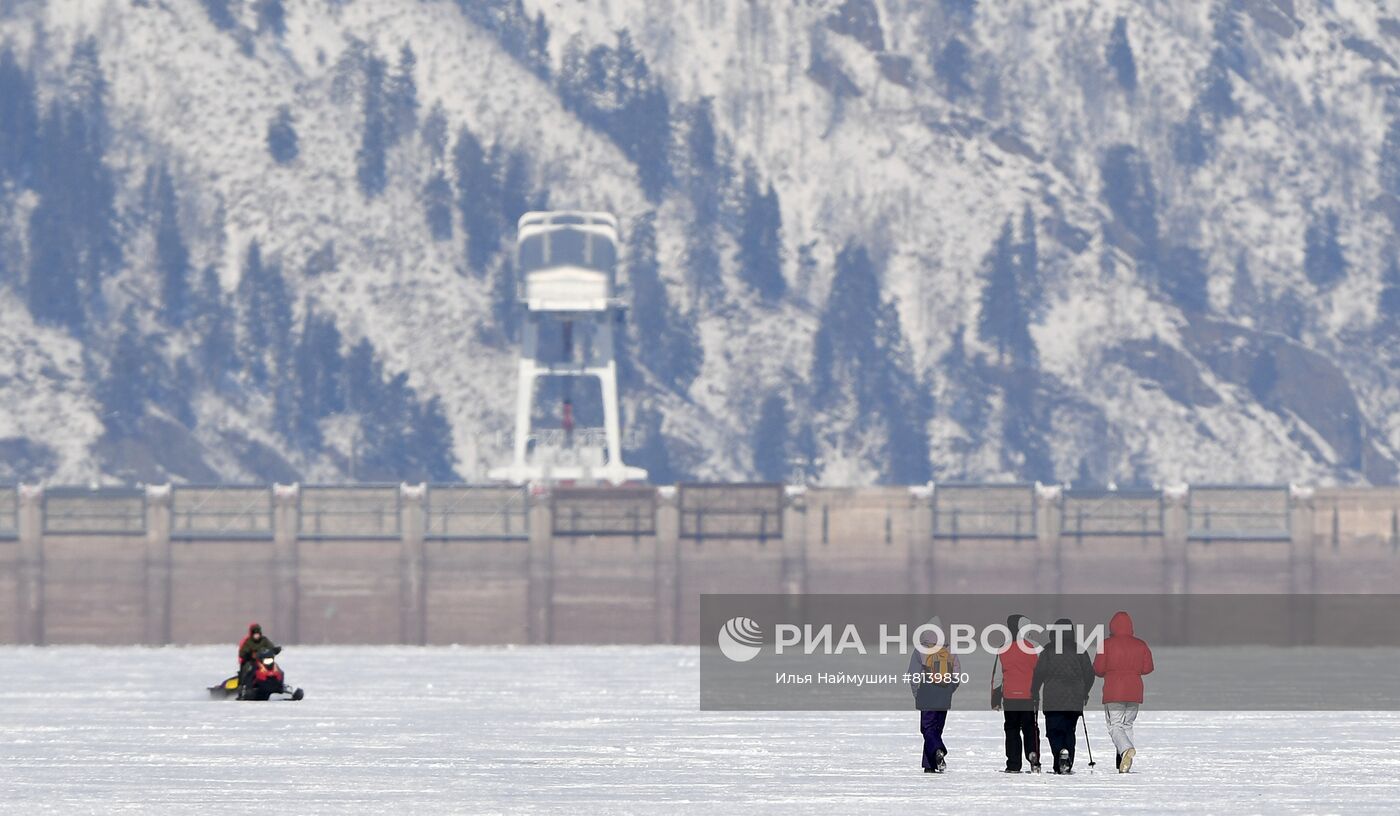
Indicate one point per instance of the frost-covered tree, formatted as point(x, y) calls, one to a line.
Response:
point(1389, 304)
point(172, 256)
point(1028, 265)
point(1244, 296)
point(1119, 55)
point(1324, 261)
point(666, 343)
point(1389, 169)
point(770, 440)
point(760, 239)
point(19, 120)
point(1131, 196)
point(1003, 321)
point(122, 391)
point(402, 97)
point(862, 372)
point(953, 67)
point(437, 206)
point(478, 198)
point(216, 351)
point(220, 14)
point(612, 89)
point(370, 169)
point(272, 17)
point(282, 136)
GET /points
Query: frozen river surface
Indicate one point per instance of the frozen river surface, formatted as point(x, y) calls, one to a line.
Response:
point(599, 730)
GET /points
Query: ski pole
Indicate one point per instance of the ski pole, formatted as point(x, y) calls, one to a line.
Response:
point(1085, 721)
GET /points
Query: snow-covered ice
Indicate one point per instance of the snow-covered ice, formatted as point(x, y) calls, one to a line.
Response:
point(598, 730)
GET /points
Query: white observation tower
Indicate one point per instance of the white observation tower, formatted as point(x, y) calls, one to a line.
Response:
point(568, 262)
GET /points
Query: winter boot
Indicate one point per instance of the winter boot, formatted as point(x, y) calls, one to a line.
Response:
point(939, 766)
point(1126, 763)
point(1062, 762)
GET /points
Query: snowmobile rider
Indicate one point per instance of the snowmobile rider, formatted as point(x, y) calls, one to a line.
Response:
point(248, 649)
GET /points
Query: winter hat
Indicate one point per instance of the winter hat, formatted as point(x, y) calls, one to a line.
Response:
point(928, 635)
point(1014, 622)
point(1063, 632)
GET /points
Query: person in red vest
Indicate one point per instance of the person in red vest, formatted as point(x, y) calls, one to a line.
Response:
point(1122, 663)
point(1013, 697)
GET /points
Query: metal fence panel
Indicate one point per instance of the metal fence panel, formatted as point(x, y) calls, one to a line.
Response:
point(745, 511)
point(604, 511)
point(349, 512)
point(462, 511)
point(1238, 513)
point(221, 512)
point(9, 512)
point(984, 511)
point(98, 511)
point(1112, 513)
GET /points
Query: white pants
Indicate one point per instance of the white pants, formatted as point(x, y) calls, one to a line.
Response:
point(1120, 718)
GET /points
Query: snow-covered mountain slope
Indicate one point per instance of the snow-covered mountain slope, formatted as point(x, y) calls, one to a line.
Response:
point(1181, 306)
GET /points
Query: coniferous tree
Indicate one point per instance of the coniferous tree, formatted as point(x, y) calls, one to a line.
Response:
point(760, 239)
point(613, 90)
point(282, 136)
point(515, 188)
point(370, 169)
point(434, 133)
point(478, 198)
point(272, 17)
point(860, 353)
point(437, 203)
point(1389, 159)
point(1324, 261)
point(1390, 296)
point(220, 14)
point(953, 66)
point(1120, 56)
point(52, 284)
point(19, 121)
point(505, 305)
point(255, 332)
point(403, 97)
point(1217, 92)
point(172, 256)
point(1131, 196)
point(1028, 264)
point(1182, 276)
point(1003, 321)
point(770, 440)
point(1244, 297)
point(121, 393)
point(217, 350)
point(1228, 33)
point(666, 341)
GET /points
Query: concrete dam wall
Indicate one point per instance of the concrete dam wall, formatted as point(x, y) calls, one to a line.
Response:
point(438, 564)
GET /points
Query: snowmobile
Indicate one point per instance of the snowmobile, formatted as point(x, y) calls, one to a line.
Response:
point(263, 681)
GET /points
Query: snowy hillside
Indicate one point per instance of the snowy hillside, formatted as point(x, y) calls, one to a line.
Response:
point(868, 240)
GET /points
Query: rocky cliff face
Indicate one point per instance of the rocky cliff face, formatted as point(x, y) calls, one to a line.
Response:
point(868, 240)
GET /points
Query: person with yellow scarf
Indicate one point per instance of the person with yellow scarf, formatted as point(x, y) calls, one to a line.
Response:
point(933, 680)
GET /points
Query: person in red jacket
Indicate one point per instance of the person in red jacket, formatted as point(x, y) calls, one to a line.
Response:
point(1014, 697)
point(1122, 663)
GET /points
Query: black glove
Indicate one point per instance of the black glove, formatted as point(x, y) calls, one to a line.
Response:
point(277, 650)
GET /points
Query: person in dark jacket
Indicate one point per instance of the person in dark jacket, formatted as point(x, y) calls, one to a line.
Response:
point(1122, 663)
point(934, 680)
point(1017, 662)
point(1063, 678)
point(248, 649)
